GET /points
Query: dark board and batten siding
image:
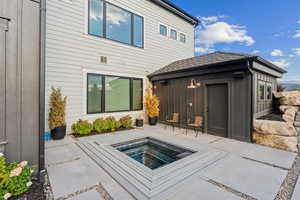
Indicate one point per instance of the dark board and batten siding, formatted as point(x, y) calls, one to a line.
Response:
point(19, 79)
point(175, 97)
point(262, 107)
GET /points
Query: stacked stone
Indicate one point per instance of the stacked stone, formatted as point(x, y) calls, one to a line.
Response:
point(281, 135)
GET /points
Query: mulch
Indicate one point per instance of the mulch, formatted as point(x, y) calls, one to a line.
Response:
point(36, 192)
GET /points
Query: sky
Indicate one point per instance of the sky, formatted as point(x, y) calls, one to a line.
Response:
point(267, 28)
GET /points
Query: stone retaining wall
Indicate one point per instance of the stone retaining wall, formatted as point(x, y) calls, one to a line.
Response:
point(281, 135)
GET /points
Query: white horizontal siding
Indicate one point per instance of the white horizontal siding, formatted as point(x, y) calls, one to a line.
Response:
point(71, 52)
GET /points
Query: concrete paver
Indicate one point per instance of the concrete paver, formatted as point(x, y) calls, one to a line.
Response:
point(252, 178)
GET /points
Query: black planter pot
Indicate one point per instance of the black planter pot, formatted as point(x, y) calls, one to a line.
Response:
point(153, 121)
point(139, 123)
point(58, 133)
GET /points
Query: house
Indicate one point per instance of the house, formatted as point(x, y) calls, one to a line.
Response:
point(22, 82)
point(228, 89)
point(99, 52)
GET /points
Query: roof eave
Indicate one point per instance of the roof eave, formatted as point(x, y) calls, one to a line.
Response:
point(150, 76)
point(177, 11)
point(270, 65)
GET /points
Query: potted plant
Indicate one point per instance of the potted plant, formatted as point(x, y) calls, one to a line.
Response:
point(56, 119)
point(139, 122)
point(152, 107)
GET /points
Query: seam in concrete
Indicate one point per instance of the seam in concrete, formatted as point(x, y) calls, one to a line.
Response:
point(77, 193)
point(63, 162)
point(265, 163)
point(101, 190)
point(216, 140)
point(288, 185)
point(231, 190)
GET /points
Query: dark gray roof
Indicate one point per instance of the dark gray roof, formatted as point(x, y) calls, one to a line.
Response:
point(212, 59)
point(168, 5)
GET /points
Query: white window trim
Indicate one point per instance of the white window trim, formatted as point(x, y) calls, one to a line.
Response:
point(167, 35)
point(176, 34)
point(185, 37)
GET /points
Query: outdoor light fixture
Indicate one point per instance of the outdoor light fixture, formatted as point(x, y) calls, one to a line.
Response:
point(194, 84)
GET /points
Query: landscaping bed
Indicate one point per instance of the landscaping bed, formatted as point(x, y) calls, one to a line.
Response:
point(83, 128)
point(35, 192)
point(100, 133)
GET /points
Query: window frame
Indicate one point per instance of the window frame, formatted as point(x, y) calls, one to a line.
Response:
point(104, 25)
point(160, 25)
point(103, 100)
point(259, 92)
point(269, 85)
point(182, 34)
point(175, 32)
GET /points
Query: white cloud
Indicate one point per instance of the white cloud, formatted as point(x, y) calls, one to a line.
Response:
point(255, 52)
point(210, 19)
point(204, 50)
point(297, 34)
point(222, 32)
point(290, 79)
point(281, 63)
point(298, 22)
point(276, 52)
point(116, 16)
point(296, 51)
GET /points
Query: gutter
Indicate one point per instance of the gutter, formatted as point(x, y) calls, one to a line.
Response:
point(177, 11)
point(42, 89)
point(249, 67)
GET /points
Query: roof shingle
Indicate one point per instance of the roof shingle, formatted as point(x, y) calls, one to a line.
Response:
point(206, 60)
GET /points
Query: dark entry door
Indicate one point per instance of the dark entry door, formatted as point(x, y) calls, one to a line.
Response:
point(217, 109)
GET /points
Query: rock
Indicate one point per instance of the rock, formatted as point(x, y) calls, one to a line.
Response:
point(284, 108)
point(276, 141)
point(297, 124)
point(291, 98)
point(289, 116)
point(274, 128)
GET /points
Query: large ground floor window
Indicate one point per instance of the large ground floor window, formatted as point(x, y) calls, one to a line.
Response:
point(113, 94)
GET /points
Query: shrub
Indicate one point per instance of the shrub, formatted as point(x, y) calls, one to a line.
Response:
point(82, 127)
point(15, 178)
point(57, 109)
point(126, 122)
point(151, 104)
point(100, 125)
point(112, 123)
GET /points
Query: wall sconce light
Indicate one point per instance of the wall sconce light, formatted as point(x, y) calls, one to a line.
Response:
point(194, 84)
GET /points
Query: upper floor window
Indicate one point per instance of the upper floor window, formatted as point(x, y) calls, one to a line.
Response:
point(173, 34)
point(182, 38)
point(96, 17)
point(109, 21)
point(163, 30)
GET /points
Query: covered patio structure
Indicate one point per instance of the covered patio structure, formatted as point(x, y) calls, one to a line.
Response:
point(228, 90)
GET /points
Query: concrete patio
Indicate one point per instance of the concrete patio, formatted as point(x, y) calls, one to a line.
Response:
point(242, 170)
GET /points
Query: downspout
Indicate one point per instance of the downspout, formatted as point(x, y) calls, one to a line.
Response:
point(249, 66)
point(42, 90)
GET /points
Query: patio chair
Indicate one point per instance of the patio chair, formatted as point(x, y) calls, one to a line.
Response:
point(198, 123)
point(174, 120)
